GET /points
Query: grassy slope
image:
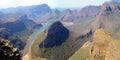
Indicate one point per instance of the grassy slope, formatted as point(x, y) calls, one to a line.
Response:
point(56, 52)
point(81, 54)
point(35, 46)
point(81, 26)
point(112, 48)
point(61, 52)
point(23, 35)
point(113, 51)
point(110, 22)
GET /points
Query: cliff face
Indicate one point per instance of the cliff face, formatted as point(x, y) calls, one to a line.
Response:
point(104, 46)
point(110, 6)
point(109, 18)
point(8, 52)
point(113, 51)
point(101, 40)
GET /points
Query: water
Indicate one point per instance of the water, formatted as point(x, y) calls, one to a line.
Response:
point(45, 25)
point(35, 34)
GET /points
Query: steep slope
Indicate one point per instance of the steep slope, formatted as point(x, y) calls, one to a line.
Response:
point(113, 51)
point(58, 43)
point(7, 51)
point(83, 52)
point(103, 43)
point(104, 46)
point(17, 42)
point(109, 18)
point(16, 28)
point(56, 35)
point(101, 40)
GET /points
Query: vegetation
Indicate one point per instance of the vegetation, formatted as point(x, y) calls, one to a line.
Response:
point(58, 52)
point(82, 54)
point(104, 46)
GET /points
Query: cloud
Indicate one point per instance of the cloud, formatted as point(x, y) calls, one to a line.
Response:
point(5, 3)
point(51, 3)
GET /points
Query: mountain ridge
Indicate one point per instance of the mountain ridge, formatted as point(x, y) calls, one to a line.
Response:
point(103, 45)
point(34, 12)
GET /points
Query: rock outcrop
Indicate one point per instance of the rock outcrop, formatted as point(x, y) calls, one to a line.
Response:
point(104, 46)
point(101, 40)
point(56, 34)
point(108, 19)
point(113, 51)
point(110, 6)
point(7, 51)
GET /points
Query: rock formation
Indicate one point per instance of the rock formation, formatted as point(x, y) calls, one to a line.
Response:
point(7, 51)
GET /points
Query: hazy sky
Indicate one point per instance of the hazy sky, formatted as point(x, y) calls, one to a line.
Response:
point(51, 3)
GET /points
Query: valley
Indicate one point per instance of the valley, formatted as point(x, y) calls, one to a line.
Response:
point(40, 32)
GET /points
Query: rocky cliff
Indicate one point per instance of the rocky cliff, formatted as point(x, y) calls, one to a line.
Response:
point(104, 46)
point(7, 51)
point(108, 18)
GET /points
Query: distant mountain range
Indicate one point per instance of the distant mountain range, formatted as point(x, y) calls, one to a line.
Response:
point(44, 12)
point(21, 21)
point(85, 13)
point(85, 34)
point(105, 16)
point(33, 12)
point(14, 26)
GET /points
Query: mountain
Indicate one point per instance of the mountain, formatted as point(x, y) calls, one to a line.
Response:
point(57, 42)
point(14, 26)
point(68, 15)
point(117, 1)
point(103, 43)
point(101, 40)
point(109, 18)
point(104, 46)
point(113, 51)
point(7, 51)
point(52, 39)
point(61, 42)
point(54, 14)
point(33, 12)
point(6, 34)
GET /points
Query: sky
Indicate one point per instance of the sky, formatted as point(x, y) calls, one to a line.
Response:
point(51, 3)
